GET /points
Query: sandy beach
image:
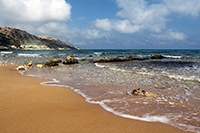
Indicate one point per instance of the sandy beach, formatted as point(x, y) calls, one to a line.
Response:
point(27, 106)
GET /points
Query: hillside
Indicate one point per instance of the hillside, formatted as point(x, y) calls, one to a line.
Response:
point(16, 39)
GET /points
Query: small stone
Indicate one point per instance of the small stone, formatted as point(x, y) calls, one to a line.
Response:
point(29, 64)
point(148, 94)
point(140, 93)
point(136, 91)
point(39, 65)
point(20, 68)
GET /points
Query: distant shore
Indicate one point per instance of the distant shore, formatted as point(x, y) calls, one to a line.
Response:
point(27, 106)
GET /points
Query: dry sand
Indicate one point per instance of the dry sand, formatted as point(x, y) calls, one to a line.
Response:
point(26, 107)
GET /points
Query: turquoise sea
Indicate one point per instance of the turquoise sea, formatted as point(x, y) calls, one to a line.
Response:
point(174, 81)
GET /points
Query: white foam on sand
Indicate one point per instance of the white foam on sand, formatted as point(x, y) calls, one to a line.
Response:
point(145, 117)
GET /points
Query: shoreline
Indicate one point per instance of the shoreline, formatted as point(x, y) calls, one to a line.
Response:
point(27, 106)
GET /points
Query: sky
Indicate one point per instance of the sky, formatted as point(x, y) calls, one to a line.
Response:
point(108, 24)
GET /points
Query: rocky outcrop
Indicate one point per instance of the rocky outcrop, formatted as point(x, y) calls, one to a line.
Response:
point(117, 59)
point(106, 59)
point(16, 39)
point(53, 62)
point(70, 60)
point(157, 57)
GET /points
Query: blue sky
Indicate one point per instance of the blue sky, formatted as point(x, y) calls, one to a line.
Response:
point(108, 24)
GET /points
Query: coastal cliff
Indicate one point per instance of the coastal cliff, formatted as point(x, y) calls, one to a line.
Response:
point(16, 39)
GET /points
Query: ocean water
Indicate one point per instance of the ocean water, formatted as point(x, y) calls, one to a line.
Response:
point(174, 81)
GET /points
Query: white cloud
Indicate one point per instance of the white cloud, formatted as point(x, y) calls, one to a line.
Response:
point(184, 7)
point(35, 10)
point(125, 26)
point(104, 24)
point(53, 28)
point(138, 15)
point(38, 17)
point(170, 35)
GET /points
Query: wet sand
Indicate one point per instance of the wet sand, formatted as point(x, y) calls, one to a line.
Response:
point(27, 106)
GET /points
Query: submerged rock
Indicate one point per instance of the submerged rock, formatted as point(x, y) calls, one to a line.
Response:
point(29, 64)
point(107, 59)
point(117, 59)
point(157, 57)
point(56, 60)
point(53, 62)
point(70, 60)
point(140, 92)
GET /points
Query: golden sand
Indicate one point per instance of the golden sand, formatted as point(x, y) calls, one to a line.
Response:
point(28, 107)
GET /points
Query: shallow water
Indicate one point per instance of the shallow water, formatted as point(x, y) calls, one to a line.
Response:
point(174, 81)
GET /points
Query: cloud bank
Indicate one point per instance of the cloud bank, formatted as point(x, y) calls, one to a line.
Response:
point(170, 35)
point(35, 10)
point(184, 7)
point(138, 15)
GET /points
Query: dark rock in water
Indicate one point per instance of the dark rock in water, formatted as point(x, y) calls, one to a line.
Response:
point(107, 59)
point(137, 92)
point(83, 60)
point(140, 92)
point(53, 62)
point(130, 58)
point(56, 60)
point(49, 63)
point(157, 57)
point(70, 60)
point(117, 59)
